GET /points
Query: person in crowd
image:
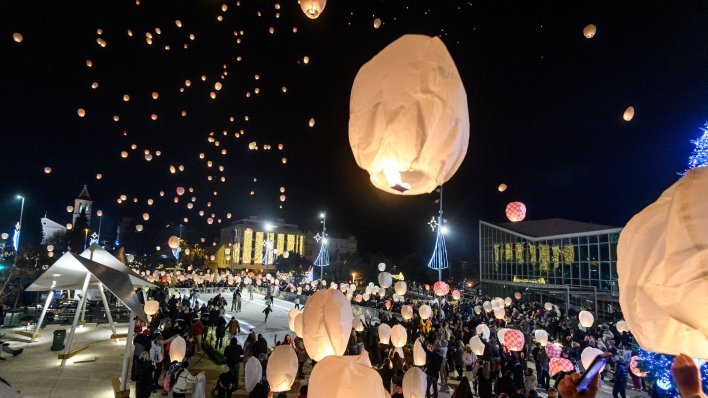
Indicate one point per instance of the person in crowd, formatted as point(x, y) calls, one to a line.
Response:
point(233, 327)
point(220, 331)
point(302, 356)
point(143, 369)
point(463, 389)
point(157, 356)
point(227, 383)
point(619, 386)
point(197, 328)
point(182, 381)
point(260, 347)
point(433, 364)
point(386, 373)
point(233, 353)
point(530, 382)
point(267, 310)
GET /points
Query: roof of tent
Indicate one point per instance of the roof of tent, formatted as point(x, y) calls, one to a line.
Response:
point(69, 271)
point(100, 255)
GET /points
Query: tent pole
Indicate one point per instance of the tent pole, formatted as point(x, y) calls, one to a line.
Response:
point(108, 310)
point(127, 356)
point(67, 346)
point(44, 312)
point(145, 296)
point(83, 308)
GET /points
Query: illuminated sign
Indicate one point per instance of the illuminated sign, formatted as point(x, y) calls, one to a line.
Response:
point(539, 281)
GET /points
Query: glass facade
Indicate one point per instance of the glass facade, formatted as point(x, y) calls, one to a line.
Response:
point(251, 244)
point(579, 260)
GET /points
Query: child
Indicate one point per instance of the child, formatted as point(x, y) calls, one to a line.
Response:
point(530, 382)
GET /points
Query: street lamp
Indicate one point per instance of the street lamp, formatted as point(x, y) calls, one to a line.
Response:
point(85, 237)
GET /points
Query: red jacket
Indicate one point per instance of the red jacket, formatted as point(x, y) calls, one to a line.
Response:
point(197, 328)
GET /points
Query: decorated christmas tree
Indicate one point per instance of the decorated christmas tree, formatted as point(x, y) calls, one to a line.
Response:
point(699, 156)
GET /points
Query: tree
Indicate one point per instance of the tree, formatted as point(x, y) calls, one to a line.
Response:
point(699, 156)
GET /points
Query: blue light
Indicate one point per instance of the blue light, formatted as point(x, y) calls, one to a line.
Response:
point(699, 156)
point(664, 384)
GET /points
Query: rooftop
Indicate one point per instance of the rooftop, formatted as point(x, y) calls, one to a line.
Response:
point(551, 227)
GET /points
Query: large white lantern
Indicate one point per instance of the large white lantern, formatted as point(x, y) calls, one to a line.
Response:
point(407, 312)
point(586, 319)
point(487, 306)
point(399, 336)
point(297, 323)
point(253, 373)
point(548, 306)
point(541, 336)
point(408, 118)
point(415, 382)
point(291, 318)
point(418, 353)
point(588, 355)
point(499, 313)
point(384, 333)
point(622, 327)
point(326, 324)
point(151, 307)
point(381, 267)
point(281, 370)
point(425, 311)
point(381, 292)
point(178, 348)
point(312, 8)
point(385, 279)
point(344, 377)
point(661, 264)
point(483, 331)
point(507, 302)
point(477, 345)
point(500, 335)
point(400, 287)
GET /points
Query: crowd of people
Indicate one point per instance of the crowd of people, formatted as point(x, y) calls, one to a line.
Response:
point(445, 336)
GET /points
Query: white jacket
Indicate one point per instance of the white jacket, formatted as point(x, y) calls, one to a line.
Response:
point(157, 353)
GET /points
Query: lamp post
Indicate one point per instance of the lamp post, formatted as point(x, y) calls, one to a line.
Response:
point(16, 244)
point(322, 259)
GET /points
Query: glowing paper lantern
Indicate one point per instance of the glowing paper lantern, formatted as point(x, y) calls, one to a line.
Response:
point(151, 307)
point(345, 377)
point(69, 209)
point(81, 112)
point(385, 279)
point(483, 330)
point(514, 340)
point(415, 382)
point(622, 327)
point(381, 292)
point(553, 350)
point(455, 294)
point(382, 267)
point(178, 348)
point(586, 318)
point(548, 306)
point(628, 114)
point(407, 312)
point(441, 288)
point(477, 309)
point(327, 324)
point(400, 287)
point(517, 296)
point(409, 143)
point(384, 333)
point(398, 336)
point(281, 370)
point(499, 313)
point(487, 306)
point(516, 211)
point(541, 336)
point(47, 170)
point(418, 353)
point(291, 318)
point(502, 187)
point(425, 311)
point(589, 31)
point(560, 365)
point(588, 355)
point(661, 263)
point(173, 242)
point(17, 37)
point(507, 302)
point(139, 227)
point(477, 345)
point(312, 8)
point(253, 373)
point(634, 367)
point(297, 322)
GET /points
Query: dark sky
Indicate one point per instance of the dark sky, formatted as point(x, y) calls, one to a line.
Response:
point(545, 108)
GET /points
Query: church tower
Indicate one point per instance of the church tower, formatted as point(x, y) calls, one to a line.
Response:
point(82, 204)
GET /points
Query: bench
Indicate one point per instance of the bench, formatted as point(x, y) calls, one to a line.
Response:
point(115, 381)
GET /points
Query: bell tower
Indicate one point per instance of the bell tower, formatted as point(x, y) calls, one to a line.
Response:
point(83, 204)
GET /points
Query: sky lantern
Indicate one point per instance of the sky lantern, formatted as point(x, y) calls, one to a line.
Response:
point(541, 336)
point(173, 242)
point(502, 187)
point(589, 31)
point(180, 191)
point(456, 294)
point(281, 370)
point(305, 60)
point(400, 287)
point(399, 336)
point(94, 85)
point(622, 326)
point(47, 170)
point(661, 264)
point(384, 333)
point(146, 216)
point(588, 355)
point(553, 350)
point(139, 228)
point(516, 211)
point(628, 114)
point(377, 23)
point(407, 312)
point(345, 377)
point(586, 319)
point(312, 8)
point(424, 311)
point(124, 154)
point(253, 373)
point(409, 143)
point(483, 331)
point(178, 349)
point(17, 37)
point(178, 23)
point(477, 345)
point(81, 112)
point(514, 340)
point(418, 353)
point(557, 365)
point(69, 209)
point(282, 198)
point(311, 122)
point(126, 97)
point(441, 288)
point(155, 95)
point(327, 324)
point(385, 279)
point(99, 176)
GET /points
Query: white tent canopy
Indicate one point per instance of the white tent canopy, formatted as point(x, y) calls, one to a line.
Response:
point(69, 272)
point(102, 256)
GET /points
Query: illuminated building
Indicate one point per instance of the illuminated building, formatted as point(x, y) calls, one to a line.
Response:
point(336, 245)
point(553, 260)
point(252, 243)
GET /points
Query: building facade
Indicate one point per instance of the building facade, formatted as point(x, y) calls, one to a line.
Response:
point(569, 262)
point(82, 204)
point(336, 245)
point(255, 244)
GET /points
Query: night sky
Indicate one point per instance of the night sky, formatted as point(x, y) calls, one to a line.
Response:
point(545, 108)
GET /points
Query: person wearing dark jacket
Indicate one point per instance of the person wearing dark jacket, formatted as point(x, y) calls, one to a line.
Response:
point(505, 385)
point(433, 363)
point(386, 374)
point(620, 383)
point(261, 346)
point(220, 331)
point(142, 344)
point(143, 376)
point(233, 353)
